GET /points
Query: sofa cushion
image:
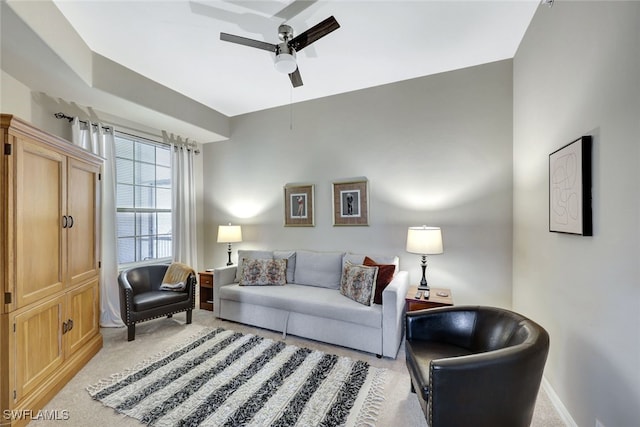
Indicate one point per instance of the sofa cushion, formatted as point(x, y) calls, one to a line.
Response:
point(261, 272)
point(311, 300)
point(290, 256)
point(250, 254)
point(323, 269)
point(380, 259)
point(385, 276)
point(358, 282)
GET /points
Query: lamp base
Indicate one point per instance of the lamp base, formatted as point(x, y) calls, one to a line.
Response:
point(229, 252)
point(423, 283)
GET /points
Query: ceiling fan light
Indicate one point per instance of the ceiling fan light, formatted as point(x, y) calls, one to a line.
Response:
point(286, 63)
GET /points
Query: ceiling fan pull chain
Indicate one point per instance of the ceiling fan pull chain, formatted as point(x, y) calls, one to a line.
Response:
point(291, 108)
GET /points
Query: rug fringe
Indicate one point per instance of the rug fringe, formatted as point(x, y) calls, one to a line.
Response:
point(114, 378)
point(374, 400)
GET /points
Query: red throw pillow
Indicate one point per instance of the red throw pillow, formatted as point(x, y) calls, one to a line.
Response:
point(385, 275)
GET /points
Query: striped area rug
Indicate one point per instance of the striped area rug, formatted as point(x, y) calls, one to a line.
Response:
point(224, 378)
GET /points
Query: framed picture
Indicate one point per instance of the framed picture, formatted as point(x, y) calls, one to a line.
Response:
point(351, 202)
point(570, 188)
point(298, 205)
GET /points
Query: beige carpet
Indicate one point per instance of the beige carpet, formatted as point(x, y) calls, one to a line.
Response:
point(401, 407)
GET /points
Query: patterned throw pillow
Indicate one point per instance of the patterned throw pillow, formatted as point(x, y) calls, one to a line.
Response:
point(250, 254)
point(358, 282)
point(385, 275)
point(263, 272)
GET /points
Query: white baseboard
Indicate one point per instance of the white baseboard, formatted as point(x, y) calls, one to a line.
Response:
point(557, 403)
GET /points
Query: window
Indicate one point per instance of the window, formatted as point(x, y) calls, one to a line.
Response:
point(143, 199)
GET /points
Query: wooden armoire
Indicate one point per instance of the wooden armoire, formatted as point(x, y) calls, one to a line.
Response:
point(50, 261)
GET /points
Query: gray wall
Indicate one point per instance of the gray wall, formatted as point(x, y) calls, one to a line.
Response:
point(577, 72)
point(436, 151)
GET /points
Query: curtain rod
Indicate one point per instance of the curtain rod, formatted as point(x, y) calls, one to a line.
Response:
point(64, 116)
point(85, 122)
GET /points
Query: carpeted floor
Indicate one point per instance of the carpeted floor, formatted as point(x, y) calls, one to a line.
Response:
point(400, 408)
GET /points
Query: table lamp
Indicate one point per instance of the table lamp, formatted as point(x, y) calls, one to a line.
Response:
point(229, 234)
point(424, 241)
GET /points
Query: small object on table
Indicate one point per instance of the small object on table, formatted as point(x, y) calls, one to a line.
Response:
point(418, 295)
point(431, 299)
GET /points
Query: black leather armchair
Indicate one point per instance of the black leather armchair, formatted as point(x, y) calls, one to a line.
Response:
point(141, 298)
point(475, 366)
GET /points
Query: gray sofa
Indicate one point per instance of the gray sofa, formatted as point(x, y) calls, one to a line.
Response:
point(311, 305)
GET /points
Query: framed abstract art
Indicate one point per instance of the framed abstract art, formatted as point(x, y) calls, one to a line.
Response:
point(570, 188)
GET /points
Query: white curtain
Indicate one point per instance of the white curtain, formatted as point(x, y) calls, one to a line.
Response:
point(98, 139)
point(183, 201)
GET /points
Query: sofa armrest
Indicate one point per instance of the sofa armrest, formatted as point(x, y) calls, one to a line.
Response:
point(222, 276)
point(393, 307)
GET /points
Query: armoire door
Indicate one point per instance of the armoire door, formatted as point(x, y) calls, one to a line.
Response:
point(83, 311)
point(40, 236)
point(82, 221)
point(37, 344)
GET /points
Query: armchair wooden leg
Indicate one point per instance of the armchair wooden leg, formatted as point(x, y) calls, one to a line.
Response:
point(131, 332)
point(189, 316)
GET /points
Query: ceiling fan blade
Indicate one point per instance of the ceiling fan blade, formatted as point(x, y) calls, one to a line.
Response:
point(248, 42)
point(296, 78)
point(296, 7)
point(314, 33)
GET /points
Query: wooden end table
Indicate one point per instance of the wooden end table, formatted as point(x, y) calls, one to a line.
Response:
point(206, 290)
point(437, 298)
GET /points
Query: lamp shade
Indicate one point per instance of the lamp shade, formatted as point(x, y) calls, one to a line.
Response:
point(424, 240)
point(229, 233)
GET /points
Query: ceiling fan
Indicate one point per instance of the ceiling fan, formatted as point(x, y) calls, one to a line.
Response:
point(285, 51)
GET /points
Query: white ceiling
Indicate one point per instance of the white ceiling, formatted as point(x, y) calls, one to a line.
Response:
point(177, 43)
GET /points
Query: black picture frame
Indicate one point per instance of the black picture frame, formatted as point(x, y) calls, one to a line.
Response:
point(570, 182)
